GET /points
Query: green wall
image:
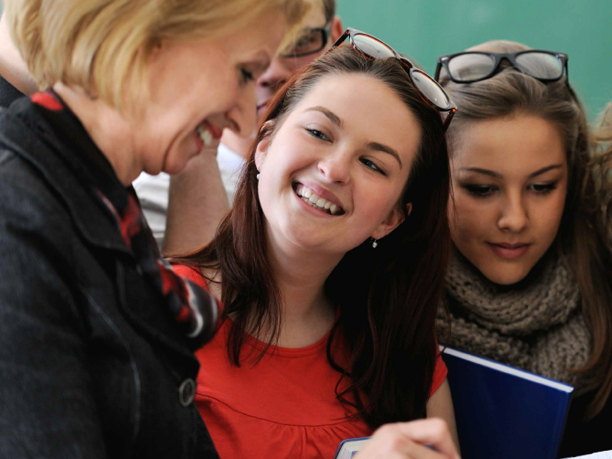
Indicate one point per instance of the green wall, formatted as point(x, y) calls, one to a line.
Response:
point(425, 29)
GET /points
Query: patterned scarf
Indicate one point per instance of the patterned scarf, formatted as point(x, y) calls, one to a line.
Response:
point(536, 325)
point(193, 309)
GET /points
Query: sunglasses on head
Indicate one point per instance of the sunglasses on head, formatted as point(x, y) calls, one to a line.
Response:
point(472, 66)
point(430, 91)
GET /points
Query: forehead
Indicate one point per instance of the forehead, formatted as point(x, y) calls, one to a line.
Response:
point(315, 17)
point(517, 145)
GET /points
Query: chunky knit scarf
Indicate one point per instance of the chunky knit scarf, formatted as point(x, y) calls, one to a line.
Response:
point(536, 325)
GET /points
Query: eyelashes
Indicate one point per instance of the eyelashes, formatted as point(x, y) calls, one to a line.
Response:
point(365, 161)
point(484, 191)
point(245, 76)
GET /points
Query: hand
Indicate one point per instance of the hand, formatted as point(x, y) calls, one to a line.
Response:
point(407, 440)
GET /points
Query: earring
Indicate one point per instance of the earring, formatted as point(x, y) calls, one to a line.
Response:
point(257, 176)
point(374, 243)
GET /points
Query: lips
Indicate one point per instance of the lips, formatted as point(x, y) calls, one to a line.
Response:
point(263, 106)
point(208, 135)
point(509, 251)
point(215, 130)
point(318, 197)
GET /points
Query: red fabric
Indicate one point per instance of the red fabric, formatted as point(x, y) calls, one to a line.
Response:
point(285, 406)
point(48, 101)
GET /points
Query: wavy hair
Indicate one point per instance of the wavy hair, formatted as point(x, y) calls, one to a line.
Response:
point(104, 45)
point(386, 299)
point(581, 240)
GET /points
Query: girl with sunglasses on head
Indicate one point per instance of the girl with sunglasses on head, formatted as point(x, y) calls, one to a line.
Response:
point(329, 268)
point(530, 281)
point(97, 332)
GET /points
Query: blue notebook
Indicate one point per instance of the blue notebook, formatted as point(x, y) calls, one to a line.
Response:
point(348, 448)
point(503, 412)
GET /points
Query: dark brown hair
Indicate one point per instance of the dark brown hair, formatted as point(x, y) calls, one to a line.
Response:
point(386, 298)
point(581, 241)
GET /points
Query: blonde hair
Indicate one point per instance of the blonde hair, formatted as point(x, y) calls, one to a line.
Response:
point(103, 46)
point(602, 166)
point(582, 240)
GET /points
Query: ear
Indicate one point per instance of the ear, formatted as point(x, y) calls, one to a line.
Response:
point(336, 28)
point(261, 151)
point(408, 209)
point(393, 220)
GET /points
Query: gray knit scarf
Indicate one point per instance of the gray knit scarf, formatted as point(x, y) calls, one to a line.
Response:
point(536, 325)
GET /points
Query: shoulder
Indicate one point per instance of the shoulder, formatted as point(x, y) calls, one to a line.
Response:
point(190, 273)
point(27, 201)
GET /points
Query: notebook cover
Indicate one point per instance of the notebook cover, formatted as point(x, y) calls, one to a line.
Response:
point(503, 412)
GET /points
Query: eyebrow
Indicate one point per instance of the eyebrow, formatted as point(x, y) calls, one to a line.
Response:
point(371, 145)
point(496, 175)
point(331, 115)
point(385, 149)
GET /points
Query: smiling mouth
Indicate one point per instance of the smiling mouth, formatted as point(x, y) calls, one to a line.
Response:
point(310, 197)
point(208, 133)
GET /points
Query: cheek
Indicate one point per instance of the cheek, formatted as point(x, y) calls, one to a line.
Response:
point(551, 217)
point(468, 219)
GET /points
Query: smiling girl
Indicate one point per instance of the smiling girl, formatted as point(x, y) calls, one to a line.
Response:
point(329, 267)
point(530, 283)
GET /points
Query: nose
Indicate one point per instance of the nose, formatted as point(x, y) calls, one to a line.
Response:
point(241, 117)
point(335, 167)
point(275, 75)
point(514, 216)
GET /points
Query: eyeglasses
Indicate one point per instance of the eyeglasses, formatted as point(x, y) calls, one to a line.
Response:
point(472, 66)
point(310, 41)
point(431, 92)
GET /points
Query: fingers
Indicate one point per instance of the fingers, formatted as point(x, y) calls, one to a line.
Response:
point(409, 440)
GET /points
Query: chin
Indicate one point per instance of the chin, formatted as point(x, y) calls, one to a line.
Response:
point(505, 275)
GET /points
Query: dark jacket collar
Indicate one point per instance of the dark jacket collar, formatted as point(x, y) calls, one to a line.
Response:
point(8, 93)
point(65, 155)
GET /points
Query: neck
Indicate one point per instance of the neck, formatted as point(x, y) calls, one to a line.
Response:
point(237, 144)
point(307, 313)
point(107, 128)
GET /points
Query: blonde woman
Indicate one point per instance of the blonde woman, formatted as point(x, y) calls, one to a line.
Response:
point(97, 333)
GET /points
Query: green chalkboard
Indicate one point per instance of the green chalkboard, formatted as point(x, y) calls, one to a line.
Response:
point(426, 29)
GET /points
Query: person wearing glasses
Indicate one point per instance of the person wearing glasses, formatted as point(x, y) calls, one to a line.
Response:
point(330, 266)
point(530, 281)
point(97, 332)
point(202, 195)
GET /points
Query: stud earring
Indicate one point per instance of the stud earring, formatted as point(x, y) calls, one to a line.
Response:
point(374, 243)
point(257, 176)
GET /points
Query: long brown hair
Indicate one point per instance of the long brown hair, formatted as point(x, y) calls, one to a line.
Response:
point(581, 241)
point(386, 298)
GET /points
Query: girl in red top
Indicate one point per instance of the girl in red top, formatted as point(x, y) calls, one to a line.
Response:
point(330, 267)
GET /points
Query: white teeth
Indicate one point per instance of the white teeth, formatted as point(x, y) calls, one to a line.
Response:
point(205, 136)
point(310, 197)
